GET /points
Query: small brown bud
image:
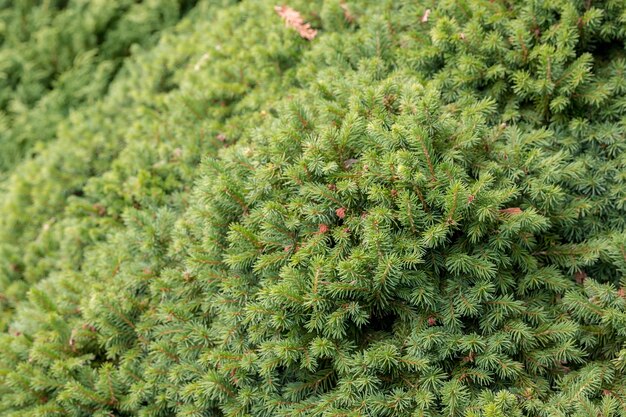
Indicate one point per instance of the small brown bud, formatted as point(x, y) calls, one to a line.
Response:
point(87, 326)
point(469, 358)
point(100, 209)
point(349, 162)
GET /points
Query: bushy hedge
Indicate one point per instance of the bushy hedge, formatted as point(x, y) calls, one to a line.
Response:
point(419, 212)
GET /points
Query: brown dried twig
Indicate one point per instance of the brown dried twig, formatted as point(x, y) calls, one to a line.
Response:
point(294, 20)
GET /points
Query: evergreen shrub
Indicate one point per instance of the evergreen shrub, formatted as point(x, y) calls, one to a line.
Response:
point(57, 55)
point(418, 212)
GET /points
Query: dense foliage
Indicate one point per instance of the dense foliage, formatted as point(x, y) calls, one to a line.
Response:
point(58, 55)
point(418, 212)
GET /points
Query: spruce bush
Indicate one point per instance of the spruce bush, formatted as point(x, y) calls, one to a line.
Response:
point(418, 212)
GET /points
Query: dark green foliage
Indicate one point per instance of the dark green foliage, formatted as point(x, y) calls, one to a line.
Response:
point(414, 214)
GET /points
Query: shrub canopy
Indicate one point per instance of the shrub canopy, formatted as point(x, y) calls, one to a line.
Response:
point(418, 212)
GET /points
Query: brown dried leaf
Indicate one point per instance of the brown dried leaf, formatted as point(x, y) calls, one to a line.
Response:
point(294, 20)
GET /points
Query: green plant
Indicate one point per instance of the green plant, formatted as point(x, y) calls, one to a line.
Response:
point(419, 212)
